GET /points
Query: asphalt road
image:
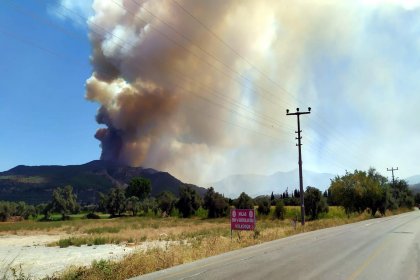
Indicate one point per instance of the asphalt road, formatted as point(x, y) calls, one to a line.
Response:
point(384, 248)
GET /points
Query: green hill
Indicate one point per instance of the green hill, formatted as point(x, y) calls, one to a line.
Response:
point(34, 184)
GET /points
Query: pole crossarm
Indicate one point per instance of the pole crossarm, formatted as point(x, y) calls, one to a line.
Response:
point(392, 169)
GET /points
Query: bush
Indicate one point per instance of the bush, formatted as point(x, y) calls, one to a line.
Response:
point(280, 211)
point(92, 216)
point(244, 201)
point(315, 203)
point(264, 206)
point(189, 201)
point(215, 203)
point(201, 213)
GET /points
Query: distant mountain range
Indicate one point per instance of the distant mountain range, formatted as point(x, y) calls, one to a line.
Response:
point(255, 185)
point(413, 180)
point(34, 184)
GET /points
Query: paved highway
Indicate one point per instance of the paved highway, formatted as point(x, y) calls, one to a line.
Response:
point(384, 248)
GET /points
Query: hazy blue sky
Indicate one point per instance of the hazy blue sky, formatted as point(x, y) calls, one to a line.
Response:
point(356, 63)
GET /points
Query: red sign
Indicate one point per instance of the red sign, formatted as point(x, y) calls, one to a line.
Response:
point(242, 219)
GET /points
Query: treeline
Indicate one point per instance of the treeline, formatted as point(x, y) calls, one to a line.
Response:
point(360, 191)
point(355, 192)
point(21, 210)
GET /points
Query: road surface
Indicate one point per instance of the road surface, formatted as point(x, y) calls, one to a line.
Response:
point(384, 248)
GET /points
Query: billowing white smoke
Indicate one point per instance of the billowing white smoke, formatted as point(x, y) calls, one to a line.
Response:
point(153, 83)
point(173, 96)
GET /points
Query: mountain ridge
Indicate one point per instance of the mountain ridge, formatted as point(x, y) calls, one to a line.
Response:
point(34, 184)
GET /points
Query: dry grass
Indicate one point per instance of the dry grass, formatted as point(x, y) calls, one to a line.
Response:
point(201, 238)
point(204, 239)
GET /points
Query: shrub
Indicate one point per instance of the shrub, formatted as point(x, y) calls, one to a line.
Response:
point(244, 201)
point(280, 211)
point(215, 203)
point(264, 206)
point(92, 216)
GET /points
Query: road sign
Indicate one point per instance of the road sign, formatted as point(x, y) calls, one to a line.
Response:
point(242, 219)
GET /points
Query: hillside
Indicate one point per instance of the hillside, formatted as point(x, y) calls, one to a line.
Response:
point(413, 180)
point(34, 184)
point(255, 185)
point(415, 188)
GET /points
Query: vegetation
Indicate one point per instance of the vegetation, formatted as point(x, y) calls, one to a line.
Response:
point(166, 202)
point(115, 203)
point(244, 201)
point(63, 202)
point(417, 199)
point(133, 205)
point(354, 196)
point(315, 203)
point(184, 240)
point(139, 187)
point(215, 203)
point(280, 210)
point(189, 201)
point(264, 206)
point(362, 190)
point(10, 209)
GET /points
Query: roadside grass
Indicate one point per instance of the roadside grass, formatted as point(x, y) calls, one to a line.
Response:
point(203, 240)
point(198, 238)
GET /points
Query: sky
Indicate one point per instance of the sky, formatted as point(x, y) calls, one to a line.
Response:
point(201, 88)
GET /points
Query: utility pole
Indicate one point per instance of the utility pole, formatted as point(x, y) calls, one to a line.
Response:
point(392, 170)
point(299, 144)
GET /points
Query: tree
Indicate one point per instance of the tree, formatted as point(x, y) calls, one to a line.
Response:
point(44, 209)
point(115, 201)
point(215, 203)
point(140, 187)
point(244, 201)
point(346, 191)
point(272, 199)
point(361, 190)
point(280, 211)
point(133, 205)
point(103, 201)
point(417, 199)
point(315, 203)
point(7, 209)
point(264, 206)
point(166, 202)
point(64, 201)
point(149, 204)
point(402, 194)
point(189, 201)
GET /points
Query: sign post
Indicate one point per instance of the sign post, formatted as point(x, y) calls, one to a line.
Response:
point(242, 219)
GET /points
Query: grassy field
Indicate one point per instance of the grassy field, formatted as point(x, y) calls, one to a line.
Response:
point(198, 238)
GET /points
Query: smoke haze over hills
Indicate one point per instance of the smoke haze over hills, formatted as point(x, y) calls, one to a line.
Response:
point(207, 100)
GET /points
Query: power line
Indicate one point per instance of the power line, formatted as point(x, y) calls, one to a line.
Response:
point(195, 54)
point(210, 31)
point(239, 104)
point(228, 46)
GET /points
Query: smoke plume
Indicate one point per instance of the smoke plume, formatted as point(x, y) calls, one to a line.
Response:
point(174, 96)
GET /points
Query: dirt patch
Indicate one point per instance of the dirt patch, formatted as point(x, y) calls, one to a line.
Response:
point(31, 255)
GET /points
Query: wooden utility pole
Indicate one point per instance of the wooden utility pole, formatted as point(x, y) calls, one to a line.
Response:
point(299, 144)
point(393, 178)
